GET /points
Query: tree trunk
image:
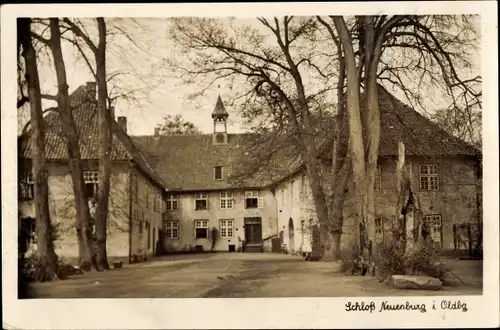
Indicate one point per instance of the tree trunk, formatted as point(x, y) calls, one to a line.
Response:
point(356, 146)
point(333, 236)
point(371, 123)
point(74, 159)
point(46, 253)
point(105, 139)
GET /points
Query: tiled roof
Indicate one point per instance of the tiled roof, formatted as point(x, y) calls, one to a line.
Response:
point(421, 136)
point(186, 162)
point(85, 116)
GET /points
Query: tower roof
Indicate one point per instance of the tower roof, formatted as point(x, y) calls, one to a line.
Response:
point(219, 110)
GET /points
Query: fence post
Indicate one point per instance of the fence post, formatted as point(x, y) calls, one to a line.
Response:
point(469, 237)
point(455, 243)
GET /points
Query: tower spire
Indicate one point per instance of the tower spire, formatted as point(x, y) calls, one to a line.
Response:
point(219, 116)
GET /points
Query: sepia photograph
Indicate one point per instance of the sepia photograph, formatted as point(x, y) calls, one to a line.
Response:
point(306, 155)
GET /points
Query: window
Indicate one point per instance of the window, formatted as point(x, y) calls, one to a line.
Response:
point(141, 227)
point(292, 187)
point(218, 173)
point(172, 202)
point(226, 228)
point(429, 178)
point(156, 204)
point(432, 229)
point(304, 187)
point(252, 200)
point(201, 201)
point(27, 186)
point(201, 228)
point(135, 187)
point(379, 230)
point(91, 179)
point(378, 178)
point(219, 138)
point(172, 229)
point(151, 198)
point(226, 199)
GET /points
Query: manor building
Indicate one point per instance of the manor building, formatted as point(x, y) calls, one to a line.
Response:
point(136, 201)
point(174, 193)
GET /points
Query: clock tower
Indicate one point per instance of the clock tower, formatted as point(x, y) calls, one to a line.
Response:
point(219, 116)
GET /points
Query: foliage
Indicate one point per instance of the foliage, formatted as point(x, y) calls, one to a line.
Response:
point(33, 270)
point(176, 125)
point(391, 259)
point(353, 261)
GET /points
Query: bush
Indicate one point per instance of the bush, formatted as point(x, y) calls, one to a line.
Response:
point(34, 270)
point(354, 263)
point(391, 259)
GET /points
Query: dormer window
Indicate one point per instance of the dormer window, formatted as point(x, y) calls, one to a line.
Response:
point(218, 173)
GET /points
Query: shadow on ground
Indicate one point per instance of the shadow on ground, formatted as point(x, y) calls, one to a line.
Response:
point(236, 275)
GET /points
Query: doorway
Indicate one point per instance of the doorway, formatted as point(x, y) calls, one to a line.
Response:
point(291, 236)
point(253, 230)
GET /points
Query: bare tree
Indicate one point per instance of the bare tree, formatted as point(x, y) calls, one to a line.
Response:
point(364, 44)
point(83, 228)
point(46, 252)
point(271, 64)
point(105, 132)
point(279, 60)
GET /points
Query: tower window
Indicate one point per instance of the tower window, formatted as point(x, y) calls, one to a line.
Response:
point(218, 173)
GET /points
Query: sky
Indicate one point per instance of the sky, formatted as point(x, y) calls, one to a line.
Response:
point(167, 96)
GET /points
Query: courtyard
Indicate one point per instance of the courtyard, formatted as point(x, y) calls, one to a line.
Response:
point(240, 275)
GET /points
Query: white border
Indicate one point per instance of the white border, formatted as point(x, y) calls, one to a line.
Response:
point(244, 313)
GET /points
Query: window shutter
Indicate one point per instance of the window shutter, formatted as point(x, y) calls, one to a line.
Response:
point(260, 202)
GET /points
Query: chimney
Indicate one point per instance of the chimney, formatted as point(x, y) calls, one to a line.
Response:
point(157, 131)
point(122, 122)
point(91, 87)
point(112, 111)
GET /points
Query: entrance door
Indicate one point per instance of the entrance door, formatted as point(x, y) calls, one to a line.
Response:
point(253, 230)
point(291, 235)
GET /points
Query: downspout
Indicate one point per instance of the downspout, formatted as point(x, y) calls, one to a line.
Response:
point(130, 213)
